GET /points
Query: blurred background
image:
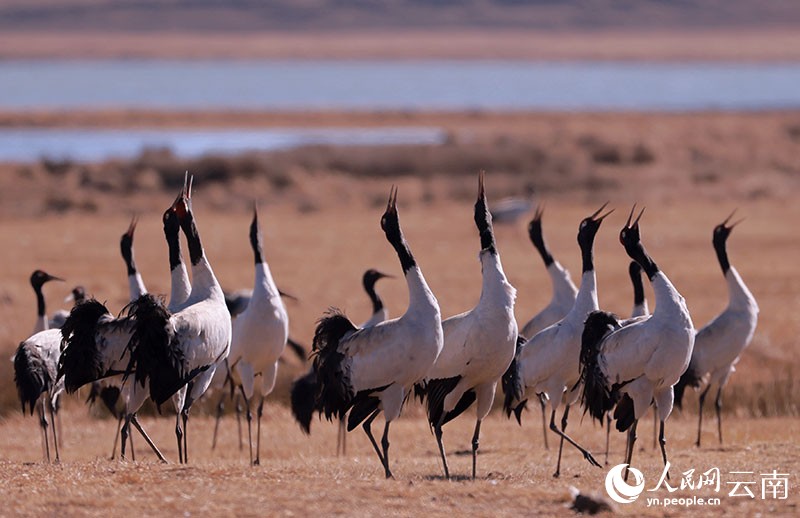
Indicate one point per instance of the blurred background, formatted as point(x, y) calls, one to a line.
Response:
point(315, 107)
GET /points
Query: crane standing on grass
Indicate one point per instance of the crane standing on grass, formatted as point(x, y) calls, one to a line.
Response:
point(720, 343)
point(478, 344)
point(632, 366)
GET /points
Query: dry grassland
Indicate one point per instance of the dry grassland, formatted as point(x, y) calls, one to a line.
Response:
point(302, 475)
point(319, 255)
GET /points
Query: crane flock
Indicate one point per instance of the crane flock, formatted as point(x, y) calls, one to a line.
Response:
point(570, 353)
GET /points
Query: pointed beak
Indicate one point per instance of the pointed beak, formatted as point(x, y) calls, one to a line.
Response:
point(630, 216)
point(53, 278)
point(132, 226)
point(598, 211)
point(537, 216)
point(382, 275)
point(392, 205)
point(288, 296)
point(636, 222)
point(255, 212)
point(725, 223)
point(604, 216)
point(735, 223)
point(481, 189)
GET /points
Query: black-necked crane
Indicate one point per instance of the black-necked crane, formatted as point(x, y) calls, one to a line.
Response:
point(304, 388)
point(38, 279)
point(547, 364)
point(172, 350)
point(36, 365)
point(259, 338)
point(720, 343)
point(35, 374)
point(94, 337)
point(562, 300)
point(478, 344)
point(372, 370)
point(118, 397)
point(630, 367)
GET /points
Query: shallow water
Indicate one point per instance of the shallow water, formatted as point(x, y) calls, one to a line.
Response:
point(397, 85)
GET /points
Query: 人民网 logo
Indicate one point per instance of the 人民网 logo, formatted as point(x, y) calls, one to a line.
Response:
point(619, 490)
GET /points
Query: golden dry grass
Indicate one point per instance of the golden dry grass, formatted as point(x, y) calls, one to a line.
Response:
point(301, 475)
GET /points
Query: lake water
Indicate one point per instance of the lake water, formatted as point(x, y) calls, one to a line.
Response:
point(356, 85)
point(397, 85)
point(25, 145)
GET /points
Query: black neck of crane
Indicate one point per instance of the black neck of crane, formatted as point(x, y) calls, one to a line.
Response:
point(369, 287)
point(638, 287)
point(537, 238)
point(192, 237)
point(722, 255)
point(483, 220)
point(255, 241)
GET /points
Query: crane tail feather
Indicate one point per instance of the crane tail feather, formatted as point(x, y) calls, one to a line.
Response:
point(30, 376)
point(690, 378)
point(304, 390)
point(154, 352)
point(511, 384)
point(81, 362)
point(333, 393)
point(597, 397)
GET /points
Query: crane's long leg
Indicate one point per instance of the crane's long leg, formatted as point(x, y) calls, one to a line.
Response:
point(341, 438)
point(608, 435)
point(43, 426)
point(124, 435)
point(258, 432)
point(655, 425)
point(135, 421)
point(367, 426)
point(718, 406)
point(133, 450)
point(554, 428)
point(179, 436)
point(475, 442)
point(185, 417)
point(57, 422)
point(220, 410)
point(631, 442)
point(700, 414)
point(116, 436)
point(385, 444)
point(249, 423)
point(663, 442)
point(543, 404)
point(437, 430)
point(55, 435)
point(238, 407)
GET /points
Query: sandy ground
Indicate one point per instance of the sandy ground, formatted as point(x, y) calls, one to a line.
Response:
point(744, 44)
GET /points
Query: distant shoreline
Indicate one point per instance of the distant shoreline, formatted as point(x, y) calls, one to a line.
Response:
point(660, 45)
